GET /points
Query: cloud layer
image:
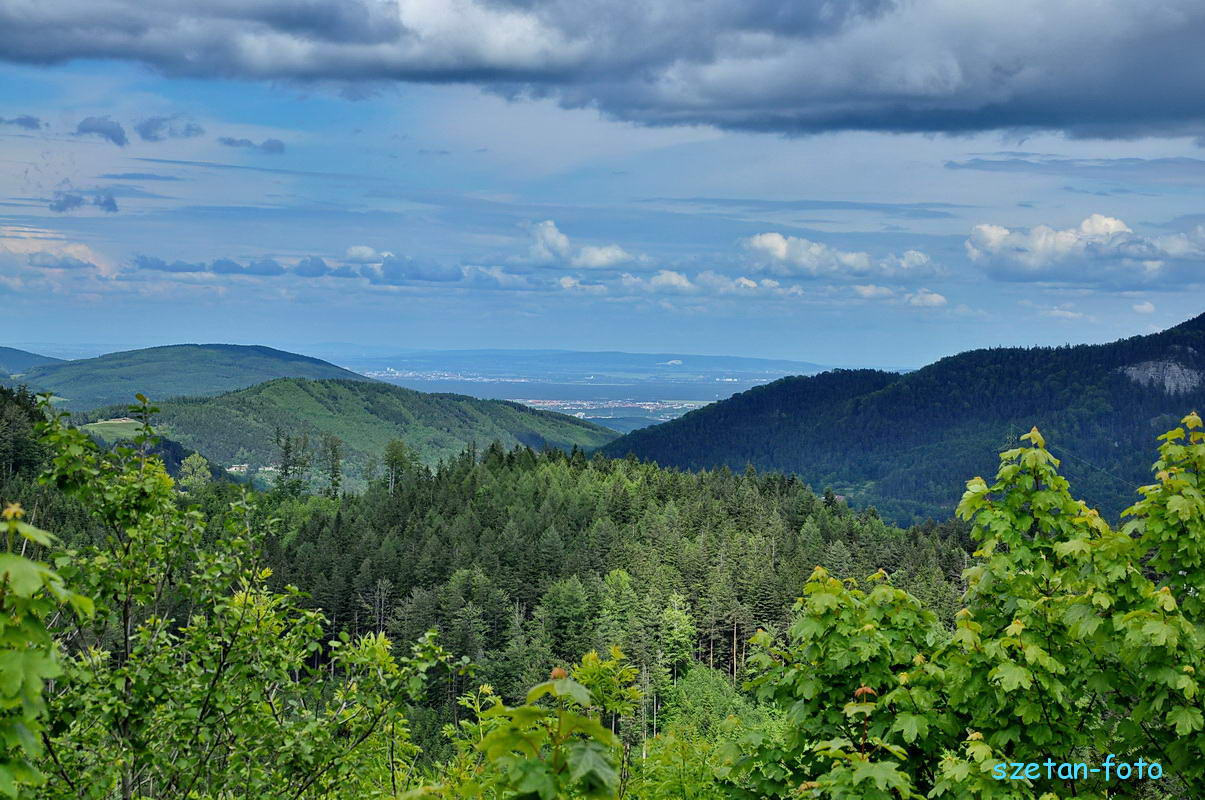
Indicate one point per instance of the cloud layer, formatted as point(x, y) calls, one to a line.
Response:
point(759, 65)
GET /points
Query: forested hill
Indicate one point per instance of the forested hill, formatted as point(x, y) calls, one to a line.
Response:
point(239, 427)
point(906, 443)
point(178, 370)
point(14, 361)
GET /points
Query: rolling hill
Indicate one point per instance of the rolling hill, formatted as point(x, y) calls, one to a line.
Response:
point(239, 426)
point(173, 371)
point(15, 362)
point(907, 443)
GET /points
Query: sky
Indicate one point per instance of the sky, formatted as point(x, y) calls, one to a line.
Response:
point(857, 182)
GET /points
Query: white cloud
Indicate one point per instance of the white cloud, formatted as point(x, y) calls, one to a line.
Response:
point(571, 284)
point(795, 255)
point(592, 257)
point(869, 291)
point(363, 254)
point(548, 244)
point(1145, 307)
point(923, 298)
point(1100, 249)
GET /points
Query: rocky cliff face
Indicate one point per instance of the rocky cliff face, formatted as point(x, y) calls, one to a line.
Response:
point(1170, 376)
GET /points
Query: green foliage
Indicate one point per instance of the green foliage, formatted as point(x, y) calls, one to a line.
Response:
point(552, 747)
point(241, 426)
point(904, 443)
point(194, 472)
point(182, 370)
point(192, 679)
point(31, 592)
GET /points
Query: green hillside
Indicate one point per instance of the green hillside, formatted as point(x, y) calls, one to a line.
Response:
point(15, 362)
point(181, 370)
point(239, 427)
point(905, 443)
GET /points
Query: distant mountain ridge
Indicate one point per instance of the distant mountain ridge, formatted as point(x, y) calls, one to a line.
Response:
point(15, 362)
point(239, 426)
point(173, 371)
point(907, 443)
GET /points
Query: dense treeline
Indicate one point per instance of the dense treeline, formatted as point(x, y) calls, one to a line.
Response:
point(523, 559)
point(905, 442)
point(606, 629)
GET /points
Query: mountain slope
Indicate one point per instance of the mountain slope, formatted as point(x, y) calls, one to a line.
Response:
point(239, 427)
point(906, 443)
point(174, 371)
point(15, 362)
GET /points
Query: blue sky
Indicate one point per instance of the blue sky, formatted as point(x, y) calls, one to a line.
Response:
point(880, 184)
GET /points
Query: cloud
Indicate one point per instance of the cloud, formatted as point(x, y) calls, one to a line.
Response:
point(57, 261)
point(105, 201)
point(796, 256)
point(103, 127)
point(664, 281)
point(592, 257)
point(1145, 307)
point(571, 284)
point(401, 270)
point(226, 266)
point(548, 244)
point(870, 291)
point(550, 247)
point(271, 146)
point(1100, 250)
point(362, 254)
point(177, 126)
point(266, 267)
point(63, 202)
point(759, 65)
point(159, 265)
point(923, 298)
point(66, 200)
point(311, 267)
point(25, 121)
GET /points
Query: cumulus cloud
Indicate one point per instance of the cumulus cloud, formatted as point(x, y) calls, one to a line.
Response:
point(1145, 307)
point(311, 267)
point(270, 146)
point(664, 281)
point(156, 264)
point(57, 261)
point(103, 127)
point(797, 256)
point(592, 257)
point(25, 121)
point(923, 298)
point(548, 244)
point(870, 291)
point(105, 201)
point(363, 254)
point(1100, 249)
point(176, 126)
point(550, 247)
point(759, 65)
point(400, 270)
point(266, 267)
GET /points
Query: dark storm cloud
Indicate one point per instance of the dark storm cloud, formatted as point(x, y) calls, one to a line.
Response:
point(24, 121)
point(783, 66)
point(55, 261)
point(273, 146)
point(156, 129)
point(102, 127)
